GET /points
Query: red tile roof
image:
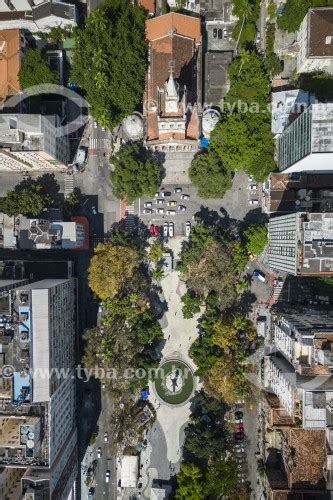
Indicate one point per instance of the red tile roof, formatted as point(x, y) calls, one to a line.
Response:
point(160, 26)
point(148, 5)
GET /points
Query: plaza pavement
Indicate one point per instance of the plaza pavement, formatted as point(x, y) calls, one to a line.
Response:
point(163, 454)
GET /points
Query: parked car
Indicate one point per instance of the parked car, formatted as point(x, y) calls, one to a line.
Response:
point(148, 204)
point(239, 414)
point(187, 228)
point(253, 187)
point(181, 208)
point(185, 197)
point(106, 437)
point(152, 229)
point(107, 476)
point(260, 276)
point(171, 229)
point(99, 452)
point(95, 124)
point(253, 202)
point(159, 210)
point(239, 436)
point(159, 201)
point(238, 420)
point(165, 229)
point(147, 211)
point(258, 37)
point(225, 34)
point(165, 194)
point(172, 203)
point(156, 195)
point(178, 190)
point(171, 212)
point(239, 425)
point(250, 179)
point(156, 231)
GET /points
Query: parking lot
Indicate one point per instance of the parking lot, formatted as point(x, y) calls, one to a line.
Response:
point(234, 205)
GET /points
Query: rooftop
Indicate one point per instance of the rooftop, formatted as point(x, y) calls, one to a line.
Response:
point(308, 457)
point(162, 26)
point(216, 80)
point(10, 61)
point(148, 5)
point(320, 32)
point(286, 106)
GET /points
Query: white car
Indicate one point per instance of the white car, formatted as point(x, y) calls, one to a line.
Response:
point(185, 197)
point(156, 195)
point(99, 453)
point(107, 476)
point(178, 190)
point(250, 179)
point(258, 37)
point(187, 228)
point(147, 211)
point(165, 229)
point(148, 204)
point(181, 208)
point(159, 210)
point(159, 201)
point(171, 229)
point(225, 34)
point(253, 202)
point(95, 124)
point(171, 212)
point(253, 187)
point(106, 437)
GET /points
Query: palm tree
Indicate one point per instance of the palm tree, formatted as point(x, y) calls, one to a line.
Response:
point(157, 274)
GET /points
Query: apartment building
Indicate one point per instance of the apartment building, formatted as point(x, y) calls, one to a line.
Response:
point(315, 39)
point(306, 145)
point(301, 244)
point(32, 141)
point(36, 15)
point(37, 402)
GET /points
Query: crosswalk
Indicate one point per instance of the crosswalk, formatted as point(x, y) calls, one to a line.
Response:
point(69, 184)
point(130, 216)
point(99, 143)
point(277, 290)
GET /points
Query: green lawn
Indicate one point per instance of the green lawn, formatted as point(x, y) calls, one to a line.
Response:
point(188, 383)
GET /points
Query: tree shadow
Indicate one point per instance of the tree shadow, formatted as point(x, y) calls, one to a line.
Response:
point(255, 216)
point(49, 185)
point(246, 301)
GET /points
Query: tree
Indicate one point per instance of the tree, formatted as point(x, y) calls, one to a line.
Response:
point(319, 83)
point(30, 200)
point(110, 268)
point(255, 237)
point(222, 478)
point(240, 256)
point(190, 483)
point(201, 237)
point(227, 378)
point(293, 14)
point(156, 252)
point(56, 33)
point(205, 441)
point(35, 70)
point(109, 60)
point(208, 174)
point(244, 141)
point(135, 173)
point(157, 274)
point(191, 304)
point(213, 272)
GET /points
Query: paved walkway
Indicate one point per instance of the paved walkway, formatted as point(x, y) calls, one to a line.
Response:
point(162, 457)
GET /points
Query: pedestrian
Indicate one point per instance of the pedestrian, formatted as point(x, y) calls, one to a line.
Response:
point(180, 345)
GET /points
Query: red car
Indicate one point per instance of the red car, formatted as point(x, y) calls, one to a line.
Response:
point(239, 425)
point(152, 229)
point(156, 231)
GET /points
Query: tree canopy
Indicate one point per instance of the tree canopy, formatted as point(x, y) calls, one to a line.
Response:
point(30, 200)
point(255, 237)
point(135, 173)
point(35, 70)
point(242, 138)
point(110, 60)
point(190, 483)
point(209, 175)
point(110, 267)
